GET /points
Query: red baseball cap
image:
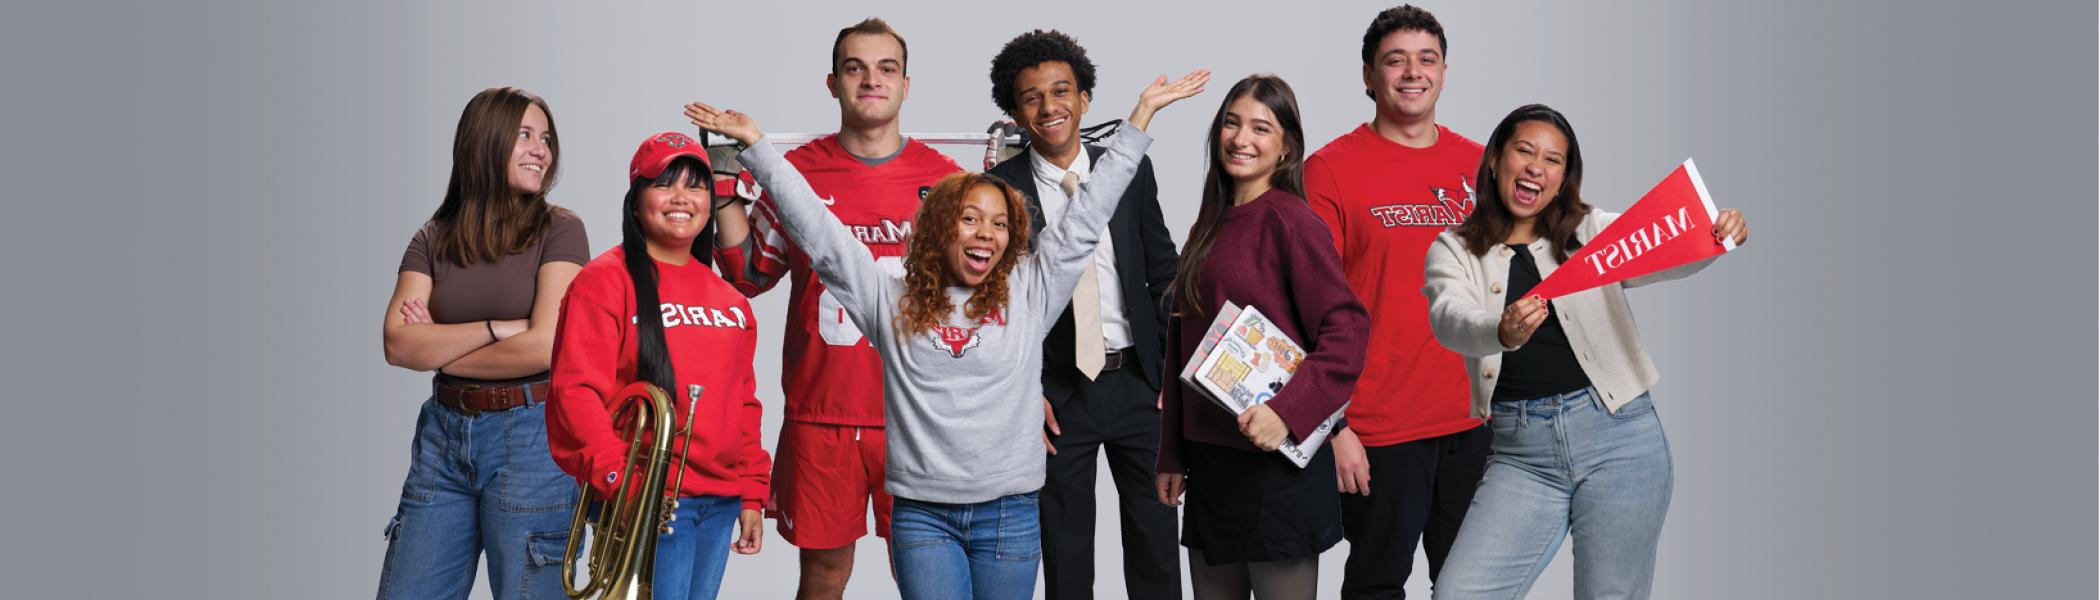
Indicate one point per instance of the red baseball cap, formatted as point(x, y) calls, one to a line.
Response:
point(660, 149)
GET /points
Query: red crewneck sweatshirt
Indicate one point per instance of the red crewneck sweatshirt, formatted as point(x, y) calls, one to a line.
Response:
point(710, 333)
point(1385, 203)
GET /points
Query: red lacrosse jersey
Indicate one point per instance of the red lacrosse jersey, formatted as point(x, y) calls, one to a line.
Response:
point(829, 372)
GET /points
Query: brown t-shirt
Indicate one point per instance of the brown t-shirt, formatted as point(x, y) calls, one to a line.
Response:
point(500, 290)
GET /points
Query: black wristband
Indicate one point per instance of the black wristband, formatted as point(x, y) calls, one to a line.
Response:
point(491, 324)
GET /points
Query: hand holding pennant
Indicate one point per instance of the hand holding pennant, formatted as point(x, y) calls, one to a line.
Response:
point(1663, 230)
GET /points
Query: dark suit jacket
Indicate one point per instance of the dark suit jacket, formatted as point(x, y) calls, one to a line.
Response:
point(1145, 264)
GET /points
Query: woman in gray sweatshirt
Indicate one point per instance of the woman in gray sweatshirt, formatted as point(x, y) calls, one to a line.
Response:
point(961, 336)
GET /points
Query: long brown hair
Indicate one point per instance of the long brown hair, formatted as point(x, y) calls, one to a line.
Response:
point(1491, 221)
point(1272, 92)
point(482, 218)
point(925, 302)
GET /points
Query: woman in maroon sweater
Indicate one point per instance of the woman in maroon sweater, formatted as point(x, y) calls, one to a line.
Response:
point(1256, 523)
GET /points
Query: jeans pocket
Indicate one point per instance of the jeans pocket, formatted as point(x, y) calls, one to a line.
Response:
point(1020, 532)
point(1639, 407)
point(529, 481)
point(914, 526)
point(1504, 423)
point(426, 455)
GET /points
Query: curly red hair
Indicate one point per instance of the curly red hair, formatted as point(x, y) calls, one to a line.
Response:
point(925, 302)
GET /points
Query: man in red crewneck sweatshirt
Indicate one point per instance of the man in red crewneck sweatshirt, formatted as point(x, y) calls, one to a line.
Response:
point(1413, 450)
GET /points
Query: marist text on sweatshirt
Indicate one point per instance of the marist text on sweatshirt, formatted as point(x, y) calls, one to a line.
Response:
point(710, 333)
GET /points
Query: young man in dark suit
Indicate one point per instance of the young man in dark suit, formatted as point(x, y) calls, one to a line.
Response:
point(1101, 361)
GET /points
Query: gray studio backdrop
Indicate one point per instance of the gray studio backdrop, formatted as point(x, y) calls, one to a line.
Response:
point(1884, 395)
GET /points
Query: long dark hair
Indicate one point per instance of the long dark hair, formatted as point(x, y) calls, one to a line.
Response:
point(1272, 92)
point(652, 357)
point(482, 218)
point(1491, 221)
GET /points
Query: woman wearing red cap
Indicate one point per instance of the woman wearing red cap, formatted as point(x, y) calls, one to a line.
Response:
point(654, 310)
point(475, 301)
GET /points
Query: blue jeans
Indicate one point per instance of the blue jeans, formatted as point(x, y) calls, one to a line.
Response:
point(690, 561)
point(1563, 465)
point(479, 484)
point(986, 550)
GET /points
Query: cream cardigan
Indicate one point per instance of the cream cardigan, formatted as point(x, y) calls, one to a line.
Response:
point(1466, 299)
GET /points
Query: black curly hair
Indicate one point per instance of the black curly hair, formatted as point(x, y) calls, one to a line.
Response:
point(1403, 17)
point(1034, 48)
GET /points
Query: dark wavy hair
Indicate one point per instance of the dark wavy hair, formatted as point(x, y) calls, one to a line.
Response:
point(652, 356)
point(1491, 221)
point(1034, 48)
point(482, 219)
point(1272, 92)
point(1403, 17)
point(925, 301)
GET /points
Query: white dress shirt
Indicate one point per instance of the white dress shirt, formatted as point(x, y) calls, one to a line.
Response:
point(1049, 178)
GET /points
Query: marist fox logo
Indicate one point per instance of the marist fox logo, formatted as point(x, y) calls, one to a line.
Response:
point(959, 340)
point(1450, 208)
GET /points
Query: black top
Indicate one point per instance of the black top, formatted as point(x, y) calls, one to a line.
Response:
point(1546, 365)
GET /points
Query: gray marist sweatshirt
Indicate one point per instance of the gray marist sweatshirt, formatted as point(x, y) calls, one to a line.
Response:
point(964, 403)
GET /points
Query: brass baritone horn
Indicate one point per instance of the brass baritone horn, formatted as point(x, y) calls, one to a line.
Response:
point(622, 557)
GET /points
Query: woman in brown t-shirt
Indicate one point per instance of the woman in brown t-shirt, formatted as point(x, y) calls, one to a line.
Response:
point(476, 301)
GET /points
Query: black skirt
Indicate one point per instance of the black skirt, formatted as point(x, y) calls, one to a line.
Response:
point(1246, 506)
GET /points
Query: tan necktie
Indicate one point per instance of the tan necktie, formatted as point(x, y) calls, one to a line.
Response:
point(1086, 302)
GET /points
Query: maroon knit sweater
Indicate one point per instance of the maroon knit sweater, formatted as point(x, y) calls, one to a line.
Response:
point(1275, 255)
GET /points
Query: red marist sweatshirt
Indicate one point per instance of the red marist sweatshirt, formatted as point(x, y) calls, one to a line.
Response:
point(710, 333)
point(1385, 203)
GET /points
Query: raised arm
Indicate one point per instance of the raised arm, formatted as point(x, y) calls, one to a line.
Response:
point(750, 251)
point(756, 259)
point(1062, 253)
point(841, 262)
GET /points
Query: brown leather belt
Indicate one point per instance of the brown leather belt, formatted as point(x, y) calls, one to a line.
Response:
point(1118, 359)
point(473, 398)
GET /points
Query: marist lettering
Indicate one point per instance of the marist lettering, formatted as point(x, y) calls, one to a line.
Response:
point(886, 232)
point(1397, 215)
point(702, 316)
point(1640, 241)
point(1447, 211)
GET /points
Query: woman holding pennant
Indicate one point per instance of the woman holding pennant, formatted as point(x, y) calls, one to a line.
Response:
point(961, 338)
point(1256, 522)
point(1577, 446)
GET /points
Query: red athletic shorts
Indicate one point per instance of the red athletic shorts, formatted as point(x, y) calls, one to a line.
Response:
point(823, 476)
